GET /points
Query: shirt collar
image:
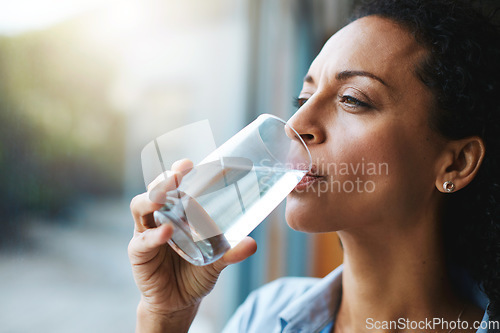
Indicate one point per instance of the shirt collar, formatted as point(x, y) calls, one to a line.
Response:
point(316, 308)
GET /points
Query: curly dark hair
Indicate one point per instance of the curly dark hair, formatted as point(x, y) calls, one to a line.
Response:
point(462, 69)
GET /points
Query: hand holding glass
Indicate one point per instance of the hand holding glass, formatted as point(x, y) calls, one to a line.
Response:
point(221, 200)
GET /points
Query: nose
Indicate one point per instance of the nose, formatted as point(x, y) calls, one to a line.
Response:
point(307, 126)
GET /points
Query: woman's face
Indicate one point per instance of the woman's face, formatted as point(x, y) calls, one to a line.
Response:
point(365, 119)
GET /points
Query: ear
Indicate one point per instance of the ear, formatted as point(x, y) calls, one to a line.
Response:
point(460, 162)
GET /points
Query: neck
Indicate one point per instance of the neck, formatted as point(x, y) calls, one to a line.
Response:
point(397, 274)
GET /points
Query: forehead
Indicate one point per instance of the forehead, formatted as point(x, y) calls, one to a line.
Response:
point(373, 44)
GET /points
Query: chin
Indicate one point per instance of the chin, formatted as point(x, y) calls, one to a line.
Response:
point(307, 225)
point(300, 219)
point(294, 223)
point(293, 212)
point(309, 217)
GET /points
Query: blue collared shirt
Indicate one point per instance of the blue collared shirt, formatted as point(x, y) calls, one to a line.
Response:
point(307, 305)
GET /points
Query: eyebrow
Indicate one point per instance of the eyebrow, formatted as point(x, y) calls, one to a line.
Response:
point(344, 75)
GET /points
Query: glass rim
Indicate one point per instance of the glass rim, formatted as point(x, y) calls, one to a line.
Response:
point(268, 115)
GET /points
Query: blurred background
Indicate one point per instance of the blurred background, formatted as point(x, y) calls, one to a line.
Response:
point(84, 85)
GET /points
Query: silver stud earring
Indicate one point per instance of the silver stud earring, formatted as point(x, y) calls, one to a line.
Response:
point(448, 186)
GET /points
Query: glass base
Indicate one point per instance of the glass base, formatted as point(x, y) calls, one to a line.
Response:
point(199, 253)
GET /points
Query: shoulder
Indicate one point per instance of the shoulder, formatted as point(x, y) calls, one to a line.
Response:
point(262, 307)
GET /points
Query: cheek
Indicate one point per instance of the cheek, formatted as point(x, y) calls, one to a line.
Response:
point(393, 166)
point(361, 155)
point(398, 161)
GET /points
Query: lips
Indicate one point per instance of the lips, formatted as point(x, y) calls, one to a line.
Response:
point(310, 178)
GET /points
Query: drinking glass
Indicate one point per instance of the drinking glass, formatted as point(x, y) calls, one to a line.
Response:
point(232, 190)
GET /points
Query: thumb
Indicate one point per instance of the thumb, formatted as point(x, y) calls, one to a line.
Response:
point(240, 252)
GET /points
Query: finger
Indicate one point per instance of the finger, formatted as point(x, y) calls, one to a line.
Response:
point(168, 181)
point(144, 246)
point(182, 166)
point(157, 190)
point(240, 252)
point(161, 178)
point(142, 211)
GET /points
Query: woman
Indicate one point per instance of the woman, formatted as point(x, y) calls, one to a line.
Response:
point(410, 85)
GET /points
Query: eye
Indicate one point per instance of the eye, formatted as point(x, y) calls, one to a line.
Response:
point(352, 102)
point(298, 102)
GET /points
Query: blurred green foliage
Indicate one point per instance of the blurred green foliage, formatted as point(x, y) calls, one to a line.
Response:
point(60, 140)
